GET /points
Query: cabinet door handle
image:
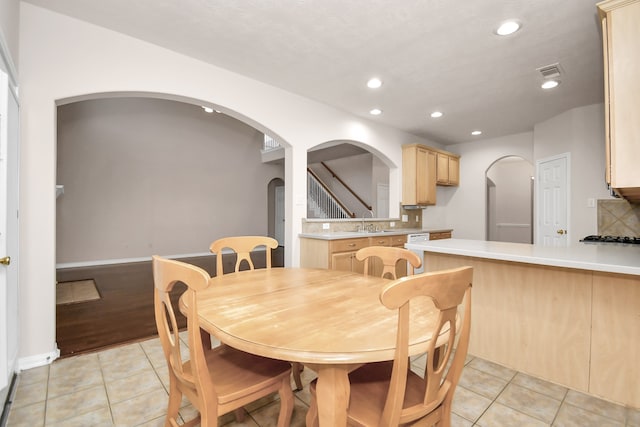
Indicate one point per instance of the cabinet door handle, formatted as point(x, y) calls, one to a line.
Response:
point(352, 244)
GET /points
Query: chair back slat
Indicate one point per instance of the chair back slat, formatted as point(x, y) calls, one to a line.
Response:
point(389, 256)
point(242, 246)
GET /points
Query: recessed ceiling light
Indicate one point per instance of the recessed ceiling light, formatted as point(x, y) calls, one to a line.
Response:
point(436, 114)
point(549, 84)
point(207, 109)
point(476, 132)
point(375, 112)
point(374, 83)
point(508, 27)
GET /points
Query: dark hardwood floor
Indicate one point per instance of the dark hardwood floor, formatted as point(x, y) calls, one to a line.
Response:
point(124, 313)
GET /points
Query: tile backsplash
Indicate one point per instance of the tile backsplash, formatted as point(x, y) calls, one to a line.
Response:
point(617, 217)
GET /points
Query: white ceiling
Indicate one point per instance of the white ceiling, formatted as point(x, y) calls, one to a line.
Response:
point(431, 54)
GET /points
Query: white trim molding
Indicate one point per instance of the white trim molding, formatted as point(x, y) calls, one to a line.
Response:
point(6, 58)
point(37, 360)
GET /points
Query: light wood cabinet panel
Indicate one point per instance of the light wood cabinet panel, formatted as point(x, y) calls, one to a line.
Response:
point(440, 235)
point(448, 169)
point(572, 327)
point(615, 349)
point(343, 254)
point(454, 170)
point(334, 254)
point(621, 47)
point(442, 171)
point(346, 261)
point(418, 175)
point(514, 324)
point(398, 241)
point(348, 245)
point(340, 254)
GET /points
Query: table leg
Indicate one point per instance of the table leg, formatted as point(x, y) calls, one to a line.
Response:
point(332, 392)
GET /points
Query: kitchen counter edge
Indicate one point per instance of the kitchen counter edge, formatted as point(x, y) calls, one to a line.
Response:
point(605, 257)
point(355, 234)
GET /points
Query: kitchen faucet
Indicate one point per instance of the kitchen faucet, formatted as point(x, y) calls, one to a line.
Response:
point(370, 227)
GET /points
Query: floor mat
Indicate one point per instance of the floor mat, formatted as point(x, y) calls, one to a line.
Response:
point(76, 292)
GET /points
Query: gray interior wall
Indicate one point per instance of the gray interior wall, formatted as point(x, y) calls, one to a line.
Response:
point(9, 32)
point(150, 176)
point(581, 132)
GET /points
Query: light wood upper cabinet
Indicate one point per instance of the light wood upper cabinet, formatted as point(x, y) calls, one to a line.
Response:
point(448, 169)
point(418, 175)
point(621, 47)
point(422, 168)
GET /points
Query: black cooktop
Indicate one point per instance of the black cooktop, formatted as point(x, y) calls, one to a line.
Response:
point(612, 239)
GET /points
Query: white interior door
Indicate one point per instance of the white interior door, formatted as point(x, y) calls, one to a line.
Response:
point(552, 195)
point(279, 216)
point(8, 233)
point(382, 201)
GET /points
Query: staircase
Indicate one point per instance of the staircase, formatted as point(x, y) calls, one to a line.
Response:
point(321, 202)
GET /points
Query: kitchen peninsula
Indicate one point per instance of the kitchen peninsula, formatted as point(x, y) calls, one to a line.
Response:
point(569, 315)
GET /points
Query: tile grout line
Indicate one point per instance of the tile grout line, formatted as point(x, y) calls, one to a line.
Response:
point(106, 392)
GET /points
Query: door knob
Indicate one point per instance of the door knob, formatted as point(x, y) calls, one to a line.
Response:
point(561, 231)
point(5, 260)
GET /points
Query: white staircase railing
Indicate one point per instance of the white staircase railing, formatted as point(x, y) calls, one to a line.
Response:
point(269, 143)
point(322, 201)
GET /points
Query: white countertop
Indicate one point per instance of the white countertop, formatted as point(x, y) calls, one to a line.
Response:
point(608, 257)
point(352, 234)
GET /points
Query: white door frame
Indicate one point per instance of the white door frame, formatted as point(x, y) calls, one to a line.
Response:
point(9, 228)
point(539, 206)
point(279, 214)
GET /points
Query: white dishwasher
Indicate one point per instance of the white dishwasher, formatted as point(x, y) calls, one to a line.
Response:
point(417, 238)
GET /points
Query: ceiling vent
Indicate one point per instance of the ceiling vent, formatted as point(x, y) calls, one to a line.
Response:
point(550, 71)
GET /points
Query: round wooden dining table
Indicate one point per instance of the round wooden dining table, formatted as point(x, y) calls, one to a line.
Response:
point(331, 321)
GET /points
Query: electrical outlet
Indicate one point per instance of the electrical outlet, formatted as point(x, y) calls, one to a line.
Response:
point(591, 203)
point(417, 218)
point(392, 224)
point(405, 218)
point(325, 225)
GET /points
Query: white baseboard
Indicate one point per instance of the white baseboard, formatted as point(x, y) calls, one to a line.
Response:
point(125, 260)
point(37, 360)
point(141, 259)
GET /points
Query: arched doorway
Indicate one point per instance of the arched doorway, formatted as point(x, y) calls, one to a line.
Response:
point(356, 176)
point(276, 218)
point(143, 176)
point(509, 182)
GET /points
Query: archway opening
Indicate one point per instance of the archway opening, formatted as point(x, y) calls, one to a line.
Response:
point(509, 205)
point(352, 174)
point(145, 175)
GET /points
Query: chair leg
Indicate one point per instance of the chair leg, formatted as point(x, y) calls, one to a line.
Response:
point(286, 403)
point(206, 340)
point(240, 414)
point(312, 414)
point(296, 369)
point(175, 398)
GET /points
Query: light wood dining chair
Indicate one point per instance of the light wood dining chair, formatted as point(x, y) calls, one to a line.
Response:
point(243, 246)
point(221, 380)
point(390, 256)
point(384, 394)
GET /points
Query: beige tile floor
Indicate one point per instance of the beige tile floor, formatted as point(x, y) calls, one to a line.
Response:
point(127, 386)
